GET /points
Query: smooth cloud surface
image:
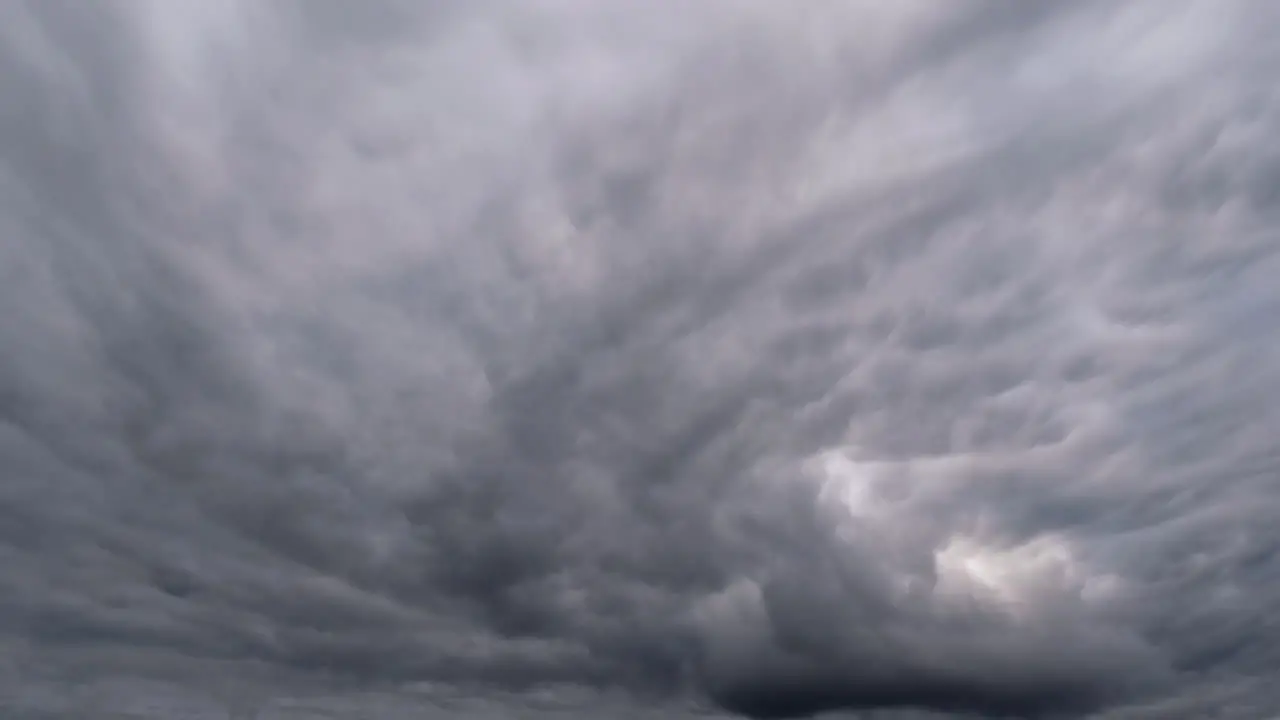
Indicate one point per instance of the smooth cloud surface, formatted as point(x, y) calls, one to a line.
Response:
point(635, 359)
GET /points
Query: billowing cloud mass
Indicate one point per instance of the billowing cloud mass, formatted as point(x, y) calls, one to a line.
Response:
point(635, 359)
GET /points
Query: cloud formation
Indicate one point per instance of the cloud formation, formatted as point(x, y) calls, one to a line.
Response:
point(634, 359)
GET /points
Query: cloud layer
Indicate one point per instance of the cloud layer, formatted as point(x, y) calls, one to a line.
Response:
point(635, 359)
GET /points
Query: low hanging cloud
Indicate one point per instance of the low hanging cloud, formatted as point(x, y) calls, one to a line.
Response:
point(634, 359)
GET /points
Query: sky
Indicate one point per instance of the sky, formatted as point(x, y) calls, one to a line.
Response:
point(560, 359)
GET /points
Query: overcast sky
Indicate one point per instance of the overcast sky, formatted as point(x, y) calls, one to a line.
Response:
point(594, 359)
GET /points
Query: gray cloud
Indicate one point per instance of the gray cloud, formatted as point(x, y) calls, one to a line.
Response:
point(570, 359)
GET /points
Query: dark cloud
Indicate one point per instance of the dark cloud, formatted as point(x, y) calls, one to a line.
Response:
point(618, 360)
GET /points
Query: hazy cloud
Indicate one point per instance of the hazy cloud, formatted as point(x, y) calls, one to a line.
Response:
point(635, 359)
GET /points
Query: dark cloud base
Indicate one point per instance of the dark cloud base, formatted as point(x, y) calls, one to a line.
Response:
point(567, 359)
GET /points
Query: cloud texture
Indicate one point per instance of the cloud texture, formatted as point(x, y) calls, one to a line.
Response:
point(639, 359)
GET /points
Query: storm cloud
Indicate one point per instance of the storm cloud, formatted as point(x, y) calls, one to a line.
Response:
point(632, 359)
